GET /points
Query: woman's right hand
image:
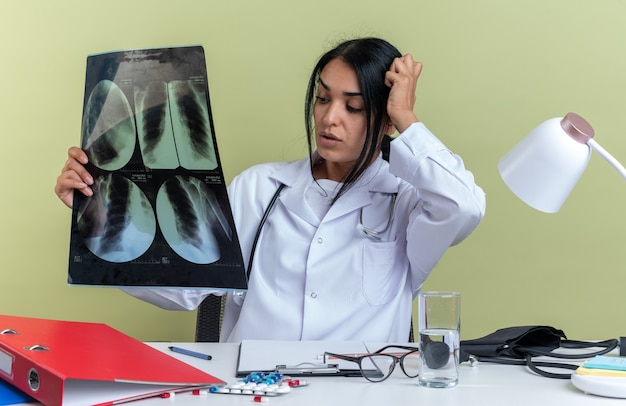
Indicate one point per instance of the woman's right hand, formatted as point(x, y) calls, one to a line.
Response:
point(73, 176)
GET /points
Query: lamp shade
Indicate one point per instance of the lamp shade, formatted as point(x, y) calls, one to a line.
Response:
point(543, 168)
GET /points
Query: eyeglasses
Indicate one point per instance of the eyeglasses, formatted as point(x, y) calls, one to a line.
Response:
point(378, 366)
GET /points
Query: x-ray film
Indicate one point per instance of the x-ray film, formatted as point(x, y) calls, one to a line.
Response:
point(159, 215)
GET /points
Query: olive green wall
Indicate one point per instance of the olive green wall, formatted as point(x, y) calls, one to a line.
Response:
point(493, 70)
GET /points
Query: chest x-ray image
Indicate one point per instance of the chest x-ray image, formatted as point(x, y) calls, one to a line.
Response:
point(173, 117)
point(160, 214)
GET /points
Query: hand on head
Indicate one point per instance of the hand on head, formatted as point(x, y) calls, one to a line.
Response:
point(73, 176)
point(402, 79)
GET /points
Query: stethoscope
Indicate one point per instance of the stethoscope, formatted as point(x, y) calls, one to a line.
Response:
point(371, 233)
point(239, 296)
point(368, 232)
point(376, 234)
point(260, 227)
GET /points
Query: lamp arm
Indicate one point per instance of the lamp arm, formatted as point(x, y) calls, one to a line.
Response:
point(609, 158)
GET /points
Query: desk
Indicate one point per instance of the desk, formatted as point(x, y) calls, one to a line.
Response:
point(484, 385)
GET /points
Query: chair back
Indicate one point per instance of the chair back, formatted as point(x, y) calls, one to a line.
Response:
point(209, 319)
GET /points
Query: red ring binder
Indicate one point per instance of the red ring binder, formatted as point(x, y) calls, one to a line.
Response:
point(71, 360)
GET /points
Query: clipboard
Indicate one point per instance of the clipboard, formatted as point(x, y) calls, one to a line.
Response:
point(297, 358)
point(78, 363)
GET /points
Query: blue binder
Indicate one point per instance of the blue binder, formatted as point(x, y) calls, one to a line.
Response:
point(10, 395)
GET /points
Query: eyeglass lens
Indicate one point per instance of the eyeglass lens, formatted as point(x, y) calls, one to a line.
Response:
point(377, 367)
point(411, 364)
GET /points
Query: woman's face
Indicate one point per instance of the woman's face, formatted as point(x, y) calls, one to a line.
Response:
point(339, 114)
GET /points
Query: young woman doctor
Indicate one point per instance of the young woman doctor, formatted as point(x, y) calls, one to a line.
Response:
point(352, 237)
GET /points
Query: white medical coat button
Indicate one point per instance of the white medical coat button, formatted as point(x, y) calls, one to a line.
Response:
point(313, 295)
point(319, 240)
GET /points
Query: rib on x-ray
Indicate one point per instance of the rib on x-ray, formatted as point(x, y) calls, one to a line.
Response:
point(190, 121)
point(154, 126)
point(108, 127)
point(191, 219)
point(117, 223)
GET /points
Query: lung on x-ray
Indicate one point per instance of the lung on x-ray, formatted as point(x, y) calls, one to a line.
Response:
point(159, 215)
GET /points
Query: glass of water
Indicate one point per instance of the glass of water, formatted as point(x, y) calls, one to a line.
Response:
point(439, 331)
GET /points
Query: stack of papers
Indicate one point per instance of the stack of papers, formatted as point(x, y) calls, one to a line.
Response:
point(603, 365)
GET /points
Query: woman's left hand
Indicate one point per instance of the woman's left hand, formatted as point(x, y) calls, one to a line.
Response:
point(402, 79)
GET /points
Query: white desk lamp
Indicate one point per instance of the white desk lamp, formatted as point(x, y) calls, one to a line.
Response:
point(544, 167)
point(542, 171)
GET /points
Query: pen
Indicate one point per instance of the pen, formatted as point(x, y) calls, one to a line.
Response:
point(190, 353)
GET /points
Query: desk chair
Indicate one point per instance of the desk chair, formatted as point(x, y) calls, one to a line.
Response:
point(209, 320)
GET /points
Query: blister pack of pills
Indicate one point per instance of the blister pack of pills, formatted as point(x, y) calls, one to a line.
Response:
point(260, 385)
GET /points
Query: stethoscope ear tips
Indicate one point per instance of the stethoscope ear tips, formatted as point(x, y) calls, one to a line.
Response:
point(375, 234)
